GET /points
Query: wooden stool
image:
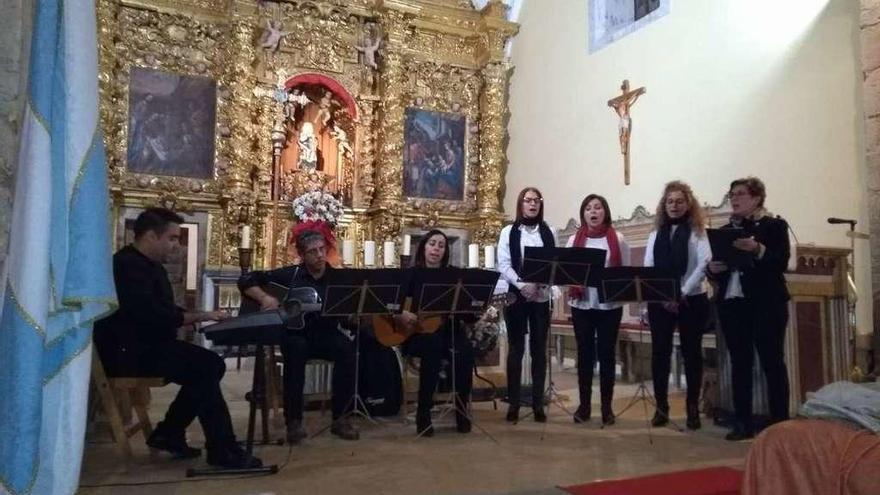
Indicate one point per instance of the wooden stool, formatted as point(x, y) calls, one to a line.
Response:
point(118, 395)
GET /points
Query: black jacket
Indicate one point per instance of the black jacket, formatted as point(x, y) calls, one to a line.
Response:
point(764, 280)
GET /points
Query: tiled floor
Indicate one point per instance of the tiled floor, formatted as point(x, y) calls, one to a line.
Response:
point(528, 458)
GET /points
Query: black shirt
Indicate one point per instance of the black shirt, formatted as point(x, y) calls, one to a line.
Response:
point(146, 301)
point(292, 276)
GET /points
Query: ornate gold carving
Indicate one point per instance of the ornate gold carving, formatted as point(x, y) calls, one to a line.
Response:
point(493, 131)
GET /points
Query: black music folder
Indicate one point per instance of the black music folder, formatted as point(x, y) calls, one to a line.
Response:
point(624, 284)
point(363, 292)
point(452, 290)
point(562, 266)
point(721, 241)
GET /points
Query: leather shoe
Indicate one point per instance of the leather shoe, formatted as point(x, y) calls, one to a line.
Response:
point(343, 429)
point(582, 415)
point(295, 432)
point(693, 417)
point(738, 433)
point(661, 418)
point(540, 415)
point(424, 427)
point(174, 444)
point(607, 415)
point(513, 414)
point(233, 457)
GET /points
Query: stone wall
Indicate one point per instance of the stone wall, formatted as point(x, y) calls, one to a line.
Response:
point(14, 37)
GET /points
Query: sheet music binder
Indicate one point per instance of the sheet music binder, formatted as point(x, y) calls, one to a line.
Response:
point(562, 266)
point(363, 292)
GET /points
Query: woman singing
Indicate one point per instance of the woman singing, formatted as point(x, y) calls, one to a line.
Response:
point(432, 348)
point(753, 304)
point(596, 324)
point(531, 311)
point(680, 245)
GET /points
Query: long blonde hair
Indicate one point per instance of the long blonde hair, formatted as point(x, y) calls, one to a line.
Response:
point(695, 214)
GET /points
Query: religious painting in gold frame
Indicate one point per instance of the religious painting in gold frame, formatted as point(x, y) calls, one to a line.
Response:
point(434, 155)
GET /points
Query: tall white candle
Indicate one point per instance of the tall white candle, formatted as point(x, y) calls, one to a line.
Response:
point(407, 240)
point(369, 253)
point(489, 256)
point(348, 252)
point(246, 236)
point(388, 253)
point(474, 256)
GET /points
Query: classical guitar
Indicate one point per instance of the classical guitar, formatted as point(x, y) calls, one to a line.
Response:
point(390, 332)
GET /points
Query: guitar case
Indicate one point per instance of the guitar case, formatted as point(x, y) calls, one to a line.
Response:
point(380, 381)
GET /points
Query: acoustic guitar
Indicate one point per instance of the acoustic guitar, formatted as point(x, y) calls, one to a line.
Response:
point(251, 305)
point(390, 332)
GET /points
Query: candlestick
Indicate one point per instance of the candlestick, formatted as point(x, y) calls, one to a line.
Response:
point(246, 237)
point(369, 253)
point(474, 256)
point(388, 254)
point(407, 240)
point(489, 256)
point(348, 252)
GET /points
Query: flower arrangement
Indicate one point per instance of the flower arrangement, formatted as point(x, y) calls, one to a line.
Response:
point(318, 206)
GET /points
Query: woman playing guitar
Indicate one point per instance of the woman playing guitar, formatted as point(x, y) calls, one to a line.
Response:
point(432, 348)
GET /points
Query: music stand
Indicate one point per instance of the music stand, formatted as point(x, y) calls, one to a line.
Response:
point(629, 284)
point(358, 293)
point(449, 292)
point(560, 266)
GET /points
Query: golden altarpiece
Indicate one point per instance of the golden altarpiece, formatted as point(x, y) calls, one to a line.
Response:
point(226, 110)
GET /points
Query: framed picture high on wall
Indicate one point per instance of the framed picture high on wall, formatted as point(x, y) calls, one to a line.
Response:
point(171, 120)
point(434, 155)
point(611, 20)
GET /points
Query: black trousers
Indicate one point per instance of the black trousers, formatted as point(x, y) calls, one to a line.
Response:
point(751, 325)
point(595, 331)
point(523, 318)
point(431, 349)
point(691, 320)
point(325, 342)
point(198, 371)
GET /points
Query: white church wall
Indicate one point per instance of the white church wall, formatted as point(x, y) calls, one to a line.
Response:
point(734, 88)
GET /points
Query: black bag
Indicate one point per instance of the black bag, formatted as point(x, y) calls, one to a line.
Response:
point(380, 382)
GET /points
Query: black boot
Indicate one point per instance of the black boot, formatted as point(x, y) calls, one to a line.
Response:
point(173, 442)
point(513, 413)
point(540, 415)
point(295, 432)
point(423, 424)
point(582, 415)
point(661, 416)
point(693, 416)
point(607, 414)
point(232, 456)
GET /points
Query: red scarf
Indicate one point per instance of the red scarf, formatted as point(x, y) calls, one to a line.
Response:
point(613, 256)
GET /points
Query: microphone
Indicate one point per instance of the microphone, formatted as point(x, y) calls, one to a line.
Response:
point(835, 220)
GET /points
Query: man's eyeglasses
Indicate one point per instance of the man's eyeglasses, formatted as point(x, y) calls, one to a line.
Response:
point(532, 201)
point(738, 194)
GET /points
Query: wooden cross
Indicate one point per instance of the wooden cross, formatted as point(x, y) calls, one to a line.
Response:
point(622, 104)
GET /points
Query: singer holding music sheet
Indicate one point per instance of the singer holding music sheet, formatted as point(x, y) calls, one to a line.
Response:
point(679, 244)
point(142, 336)
point(596, 324)
point(433, 348)
point(322, 337)
point(531, 312)
point(753, 304)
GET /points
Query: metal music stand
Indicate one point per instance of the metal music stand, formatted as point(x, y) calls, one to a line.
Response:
point(630, 284)
point(358, 293)
point(449, 292)
point(560, 266)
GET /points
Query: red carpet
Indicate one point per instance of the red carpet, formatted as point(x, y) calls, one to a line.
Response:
point(709, 481)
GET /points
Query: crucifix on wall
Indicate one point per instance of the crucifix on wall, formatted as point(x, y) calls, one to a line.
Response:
point(622, 104)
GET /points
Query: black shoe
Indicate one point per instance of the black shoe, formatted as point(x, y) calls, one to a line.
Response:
point(513, 414)
point(343, 429)
point(540, 415)
point(693, 417)
point(607, 415)
point(582, 415)
point(463, 424)
point(175, 444)
point(424, 427)
point(295, 432)
point(738, 433)
point(661, 418)
point(233, 457)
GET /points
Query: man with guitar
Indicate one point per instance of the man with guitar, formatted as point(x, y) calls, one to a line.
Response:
point(431, 340)
point(322, 337)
